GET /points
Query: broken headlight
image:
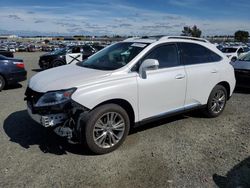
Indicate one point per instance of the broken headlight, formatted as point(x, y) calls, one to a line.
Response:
point(55, 97)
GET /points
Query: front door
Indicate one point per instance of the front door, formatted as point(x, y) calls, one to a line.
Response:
point(164, 89)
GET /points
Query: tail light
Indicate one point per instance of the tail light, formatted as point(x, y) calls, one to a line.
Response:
point(19, 64)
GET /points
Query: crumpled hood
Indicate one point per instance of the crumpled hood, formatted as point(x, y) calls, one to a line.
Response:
point(65, 77)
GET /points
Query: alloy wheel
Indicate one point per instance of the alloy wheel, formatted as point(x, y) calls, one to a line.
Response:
point(218, 101)
point(109, 130)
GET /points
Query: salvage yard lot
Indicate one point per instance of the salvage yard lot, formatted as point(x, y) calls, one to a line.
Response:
point(183, 151)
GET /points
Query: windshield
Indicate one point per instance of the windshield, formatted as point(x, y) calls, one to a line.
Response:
point(245, 57)
point(229, 50)
point(114, 56)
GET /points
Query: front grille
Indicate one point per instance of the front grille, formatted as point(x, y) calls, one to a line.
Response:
point(32, 96)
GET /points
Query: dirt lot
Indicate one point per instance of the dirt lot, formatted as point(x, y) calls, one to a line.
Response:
point(183, 151)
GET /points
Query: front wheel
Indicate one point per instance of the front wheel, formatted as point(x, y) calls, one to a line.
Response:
point(105, 128)
point(216, 102)
point(57, 63)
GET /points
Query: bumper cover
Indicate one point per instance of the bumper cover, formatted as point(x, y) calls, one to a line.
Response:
point(49, 120)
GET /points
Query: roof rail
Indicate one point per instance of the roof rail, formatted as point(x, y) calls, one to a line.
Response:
point(185, 38)
point(163, 37)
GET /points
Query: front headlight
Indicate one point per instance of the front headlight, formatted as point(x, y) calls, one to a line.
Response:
point(55, 97)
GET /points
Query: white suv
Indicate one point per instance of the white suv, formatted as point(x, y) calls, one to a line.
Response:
point(127, 84)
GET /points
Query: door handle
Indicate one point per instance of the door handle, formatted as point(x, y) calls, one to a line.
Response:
point(180, 76)
point(214, 71)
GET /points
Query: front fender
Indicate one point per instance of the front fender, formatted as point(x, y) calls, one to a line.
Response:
point(93, 95)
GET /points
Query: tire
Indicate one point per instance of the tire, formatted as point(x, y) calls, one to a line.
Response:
point(57, 63)
point(100, 138)
point(216, 102)
point(2, 83)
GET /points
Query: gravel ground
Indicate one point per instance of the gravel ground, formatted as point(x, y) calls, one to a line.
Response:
point(183, 151)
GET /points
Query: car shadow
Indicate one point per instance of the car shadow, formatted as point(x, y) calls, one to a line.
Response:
point(37, 70)
point(26, 132)
point(13, 86)
point(238, 176)
point(23, 130)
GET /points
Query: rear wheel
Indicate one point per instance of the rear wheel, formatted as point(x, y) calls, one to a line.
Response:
point(105, 128)
point(58, 63)
point(2, 83)
point(216, 102)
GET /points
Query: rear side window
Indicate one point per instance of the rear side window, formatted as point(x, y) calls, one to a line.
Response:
point(166, 55)
point(197, 54)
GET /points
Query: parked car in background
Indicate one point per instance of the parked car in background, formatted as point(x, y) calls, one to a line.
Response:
point(12, 49)
point(6, 53)
point(242, 70)
point(31, 48)
point(68, 55)
point(127, 84)
point(11, 71)
point(233, 53)
point(246, 50)
point(22, 48)
point(98, 47)
point(3, 48)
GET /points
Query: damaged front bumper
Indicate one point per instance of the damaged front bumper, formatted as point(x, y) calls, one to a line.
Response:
point(61, 117)
point(50, 120)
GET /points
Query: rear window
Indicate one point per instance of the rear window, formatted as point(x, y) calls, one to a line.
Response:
point(197, 54)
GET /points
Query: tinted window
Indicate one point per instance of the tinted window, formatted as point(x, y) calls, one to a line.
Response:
point(229, 50)
point(76, 50)
point(166, 55)
point(197, 54)
point(87, 49)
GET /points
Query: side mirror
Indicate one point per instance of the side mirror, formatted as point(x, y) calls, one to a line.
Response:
point(148, 64)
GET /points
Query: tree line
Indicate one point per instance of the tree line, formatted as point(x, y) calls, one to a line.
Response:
point(194, 31)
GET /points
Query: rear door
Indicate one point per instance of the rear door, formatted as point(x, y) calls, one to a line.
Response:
point(202, 70)
point(74, 55)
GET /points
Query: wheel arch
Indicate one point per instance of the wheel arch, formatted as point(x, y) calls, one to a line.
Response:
point(58, 59)
point(227, 87)
point(124, 104)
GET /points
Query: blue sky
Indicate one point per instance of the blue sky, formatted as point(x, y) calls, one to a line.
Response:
point(127, 17)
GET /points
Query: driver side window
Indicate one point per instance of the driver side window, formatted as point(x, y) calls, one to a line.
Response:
point(167, 55)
